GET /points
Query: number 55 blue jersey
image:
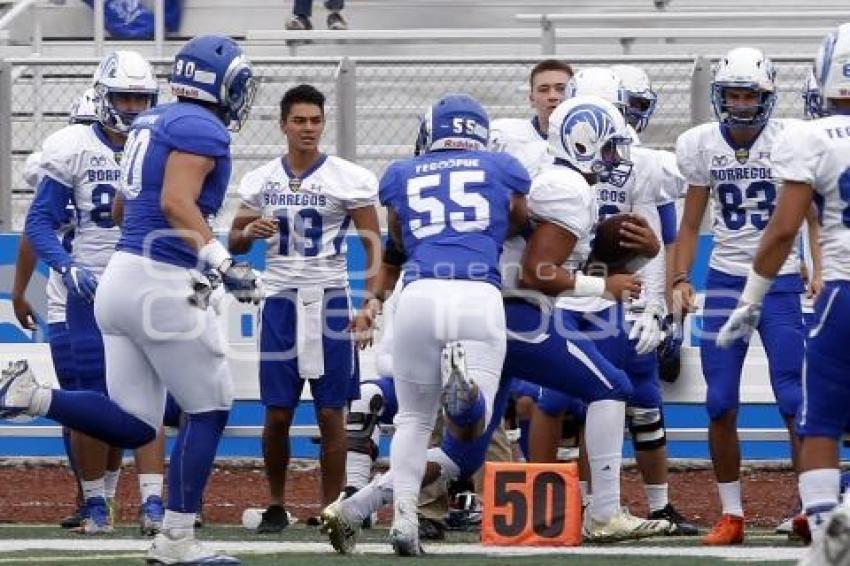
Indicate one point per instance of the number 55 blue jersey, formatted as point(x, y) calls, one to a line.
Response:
point(453, 207)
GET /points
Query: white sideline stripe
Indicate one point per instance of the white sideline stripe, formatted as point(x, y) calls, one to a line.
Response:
point(65, 559)
point(761, 553)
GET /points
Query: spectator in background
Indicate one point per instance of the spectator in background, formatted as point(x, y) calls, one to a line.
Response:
point(302, 10)
point(130, 19)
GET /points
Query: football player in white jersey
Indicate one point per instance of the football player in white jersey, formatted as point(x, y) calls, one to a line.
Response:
point(80, 163)
point(813, 162)
point(303, 203)
point(82, 112)
point(635, 331)
point(730, 163)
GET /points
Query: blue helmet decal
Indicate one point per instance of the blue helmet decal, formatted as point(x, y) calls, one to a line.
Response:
point(596, 122)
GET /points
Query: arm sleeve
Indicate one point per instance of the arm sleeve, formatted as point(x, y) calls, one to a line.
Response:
point(514, 174)
point(689, 158)
point(393, 253)
point(562, 203)
point(250, 191)
point(200, 135)
point(795, 155)
point(667, 217)
point(46, 215)
point(388, 189)
point(653, 273)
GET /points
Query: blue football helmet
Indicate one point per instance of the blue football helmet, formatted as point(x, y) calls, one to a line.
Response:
point(590, 135)
point(744, 68)
point(813, 106)
point(213, 69)
point(456, 121)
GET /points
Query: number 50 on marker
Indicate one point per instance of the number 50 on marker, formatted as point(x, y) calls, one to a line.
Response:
point(531, 505)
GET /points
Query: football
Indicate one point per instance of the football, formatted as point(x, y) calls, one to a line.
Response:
point(606, 248)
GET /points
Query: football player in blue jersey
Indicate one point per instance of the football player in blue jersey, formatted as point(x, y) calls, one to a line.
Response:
point(451, 207)
point(302, 203)
point(174, 176)
point(812, 162)
point(80, 163)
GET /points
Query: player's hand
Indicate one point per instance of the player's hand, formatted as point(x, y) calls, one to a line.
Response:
point(743, 320)
point(363, 325)
point(241, 281)
point(260, 229)
point(622, 286)
point(814, 287)
point(647, 331)
point(24, 312)
point(639, 236)
point(80, 282)
point(683, 299)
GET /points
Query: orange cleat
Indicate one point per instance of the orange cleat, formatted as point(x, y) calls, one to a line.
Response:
point(800, 529)
point(728, 530)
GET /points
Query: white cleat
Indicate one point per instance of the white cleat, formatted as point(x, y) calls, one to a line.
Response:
point(404, 532)
point(341, 531)
point(184, 551)
point(831, 546)
point(459, 391)
point(17, 386)
point(623, 526)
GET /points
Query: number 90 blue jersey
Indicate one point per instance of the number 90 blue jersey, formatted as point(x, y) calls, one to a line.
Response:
point(454, 207)
point(181, 126)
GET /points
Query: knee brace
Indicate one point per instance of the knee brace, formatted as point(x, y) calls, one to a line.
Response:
point(646, 427)
point(362, 419)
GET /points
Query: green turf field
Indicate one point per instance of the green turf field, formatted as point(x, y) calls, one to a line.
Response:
point(28, 545)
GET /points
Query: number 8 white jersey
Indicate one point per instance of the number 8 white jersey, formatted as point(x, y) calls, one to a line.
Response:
point(80, 158)
point(743, 189)
point(818, 153)
point(313, 214)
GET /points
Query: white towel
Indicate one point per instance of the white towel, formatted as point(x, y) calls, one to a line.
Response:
point(308, 332)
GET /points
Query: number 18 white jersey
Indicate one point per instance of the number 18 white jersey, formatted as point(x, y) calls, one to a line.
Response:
point(818, 153)
point(313, 214)
point(743, 189)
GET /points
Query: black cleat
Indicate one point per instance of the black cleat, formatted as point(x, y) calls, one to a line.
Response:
point(681, 526)
point(274, 520)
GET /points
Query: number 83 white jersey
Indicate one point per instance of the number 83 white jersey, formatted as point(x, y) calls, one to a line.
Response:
point(313, 214)
point(743, 189)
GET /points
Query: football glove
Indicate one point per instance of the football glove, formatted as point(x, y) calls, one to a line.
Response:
point(647, 331)
point(80, 282)
point(242, 282)
point(743, 320)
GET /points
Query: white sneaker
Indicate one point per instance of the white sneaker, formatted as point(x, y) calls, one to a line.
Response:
point(165, 550)
point(404, 532)
point(831, 547)
point(341, 531)
point(623, 526)
point(459, 391)
point(17, 386)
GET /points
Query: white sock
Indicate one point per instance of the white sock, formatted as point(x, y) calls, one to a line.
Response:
point(604, 443)
point(819, 494)
point(150, 484)
point(657, 496)
point(369, 499)
point(584, 487)
point(730, 498)
point(178, 525)
point(93, 488)
point(110, 482)
point(358, 469)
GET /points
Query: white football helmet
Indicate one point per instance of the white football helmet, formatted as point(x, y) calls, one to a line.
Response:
point(641, 99)
point(588, 134)
point(601, 82)
point(832, 66)
point(122, 72)
point(744, 68)
point(83, 109)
